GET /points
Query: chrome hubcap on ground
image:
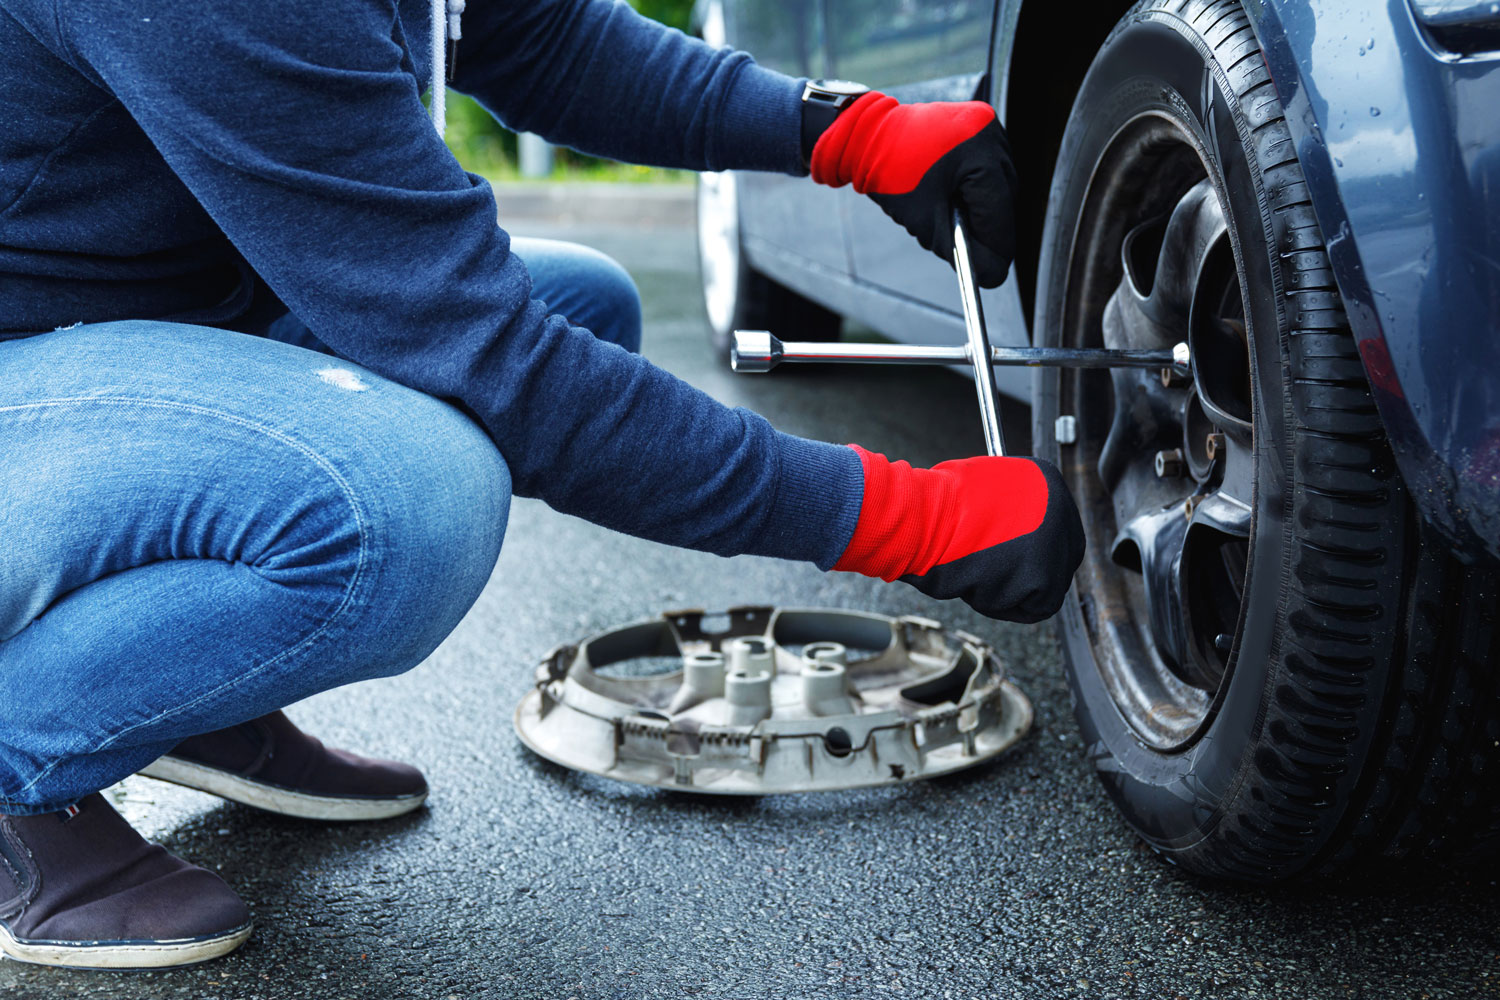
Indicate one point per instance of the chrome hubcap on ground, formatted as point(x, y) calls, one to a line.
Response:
point(719, 248)
point(1164, 466)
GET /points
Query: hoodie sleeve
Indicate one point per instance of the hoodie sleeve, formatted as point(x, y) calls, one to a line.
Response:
point(597, 76)
point(299, 128)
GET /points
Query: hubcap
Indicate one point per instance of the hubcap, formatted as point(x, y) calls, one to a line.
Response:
point(1164, 465)
point(719, 248)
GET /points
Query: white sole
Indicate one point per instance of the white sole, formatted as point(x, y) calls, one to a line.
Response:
point(156, 955)
point(277, 800)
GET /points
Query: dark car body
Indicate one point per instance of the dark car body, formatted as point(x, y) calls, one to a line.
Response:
point(1394, 109)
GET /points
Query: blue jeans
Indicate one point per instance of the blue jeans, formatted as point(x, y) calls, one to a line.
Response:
point(198, 527)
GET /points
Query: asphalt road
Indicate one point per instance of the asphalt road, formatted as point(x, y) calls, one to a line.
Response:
point(521, 879)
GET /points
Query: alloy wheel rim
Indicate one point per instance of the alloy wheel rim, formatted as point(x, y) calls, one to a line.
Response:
point(1164, 467)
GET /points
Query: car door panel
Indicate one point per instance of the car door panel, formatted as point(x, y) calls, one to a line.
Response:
point(890, 43)
point(798, 218)
point(914, 52)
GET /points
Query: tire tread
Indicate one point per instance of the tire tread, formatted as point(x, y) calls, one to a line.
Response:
point(1381, 731)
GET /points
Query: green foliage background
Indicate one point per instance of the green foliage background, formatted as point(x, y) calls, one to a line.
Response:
point(487, 148)
point(673, 12)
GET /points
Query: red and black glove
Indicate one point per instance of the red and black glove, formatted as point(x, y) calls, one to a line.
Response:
point(1001, 533)
point(920, 161)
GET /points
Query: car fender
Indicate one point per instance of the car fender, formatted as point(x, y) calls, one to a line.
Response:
point(1400, 145)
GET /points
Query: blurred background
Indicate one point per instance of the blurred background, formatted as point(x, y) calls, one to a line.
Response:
point(485, 147)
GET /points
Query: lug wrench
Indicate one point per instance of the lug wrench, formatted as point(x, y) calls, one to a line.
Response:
point(760, 351)
point(981, 356)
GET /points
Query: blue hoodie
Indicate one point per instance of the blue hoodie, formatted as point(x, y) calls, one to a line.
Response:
point(222, 162)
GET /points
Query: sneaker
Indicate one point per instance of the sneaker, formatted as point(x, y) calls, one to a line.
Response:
point(270, 764)
point(81, 889)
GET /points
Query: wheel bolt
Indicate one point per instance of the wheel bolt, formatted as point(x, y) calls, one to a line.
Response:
point(1171, 378)
point(1170, 465)
point(1213, 444)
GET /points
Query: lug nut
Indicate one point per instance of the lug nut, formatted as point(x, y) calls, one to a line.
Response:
point(1065, 429)
point(1189, 508)
point(1213, 444)
point(1170, 465)
point(1172, 378)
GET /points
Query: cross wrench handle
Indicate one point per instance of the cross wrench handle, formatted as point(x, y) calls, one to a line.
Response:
point(759, 351)
point(980, 355)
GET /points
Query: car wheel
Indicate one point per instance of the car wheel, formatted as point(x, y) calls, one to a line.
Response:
point(735, 295)
point(1276, 672)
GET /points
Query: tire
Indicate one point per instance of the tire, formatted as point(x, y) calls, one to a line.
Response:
point(735, 295)
point(1277, 670)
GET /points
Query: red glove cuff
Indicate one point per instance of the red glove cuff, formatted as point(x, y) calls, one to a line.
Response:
point(882, 146)
point(911, 520)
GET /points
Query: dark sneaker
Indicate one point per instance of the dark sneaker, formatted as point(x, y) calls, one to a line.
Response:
point(270, 764)
point(82, 889)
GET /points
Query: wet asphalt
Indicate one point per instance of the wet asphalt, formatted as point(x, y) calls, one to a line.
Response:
point(521, 879)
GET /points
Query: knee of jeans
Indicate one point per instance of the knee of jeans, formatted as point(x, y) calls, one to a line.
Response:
point(432, 539)
point(618, 300)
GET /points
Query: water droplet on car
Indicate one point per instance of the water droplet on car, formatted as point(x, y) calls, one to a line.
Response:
point(1374, 111)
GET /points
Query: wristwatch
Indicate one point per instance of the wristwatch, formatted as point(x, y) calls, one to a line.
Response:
point(822, 100)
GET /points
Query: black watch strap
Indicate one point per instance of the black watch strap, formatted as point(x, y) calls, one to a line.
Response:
point(822, 102)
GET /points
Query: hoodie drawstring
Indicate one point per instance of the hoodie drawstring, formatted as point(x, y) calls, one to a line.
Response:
point(446, 27)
